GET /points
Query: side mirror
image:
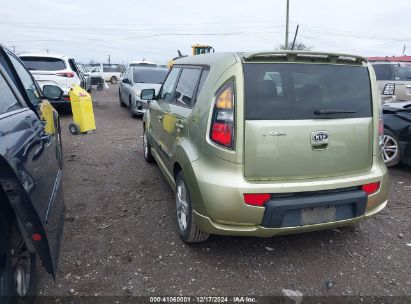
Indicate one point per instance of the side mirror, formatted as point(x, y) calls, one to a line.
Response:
point(148, 94)
point(52, 92)
point(126, 80)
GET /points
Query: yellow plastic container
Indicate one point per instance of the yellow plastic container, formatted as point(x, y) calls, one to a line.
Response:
point(82, 109)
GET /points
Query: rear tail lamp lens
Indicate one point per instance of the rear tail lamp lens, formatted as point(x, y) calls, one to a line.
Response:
point(389, 89)
point(256, 199)
point(371, 188)
point(36, 237)
point(66, 74)
point(66, 98)
point(222, 122)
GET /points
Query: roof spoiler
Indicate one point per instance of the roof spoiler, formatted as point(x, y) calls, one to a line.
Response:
point(304, 56)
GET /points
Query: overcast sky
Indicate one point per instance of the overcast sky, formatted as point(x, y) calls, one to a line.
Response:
point(132, 30)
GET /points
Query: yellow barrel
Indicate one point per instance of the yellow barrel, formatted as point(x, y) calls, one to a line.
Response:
point(82, 109)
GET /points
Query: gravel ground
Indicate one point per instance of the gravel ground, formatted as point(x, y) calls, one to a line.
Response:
point(120, 237)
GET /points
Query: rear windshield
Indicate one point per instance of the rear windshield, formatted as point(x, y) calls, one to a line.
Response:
point(149, 75)
point(287, 91)
point(111, 68)
point(394, 72)
point(44, 63)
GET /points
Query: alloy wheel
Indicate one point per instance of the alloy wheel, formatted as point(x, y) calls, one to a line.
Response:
point(390, 148)
point(182, 205)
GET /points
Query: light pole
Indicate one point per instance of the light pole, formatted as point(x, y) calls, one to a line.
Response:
point(109, 58)
point(286, 25)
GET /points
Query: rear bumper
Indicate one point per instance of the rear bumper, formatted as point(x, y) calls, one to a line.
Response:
point(317, 208)
point(96, 80)
point(217, 189)
point(207, 225)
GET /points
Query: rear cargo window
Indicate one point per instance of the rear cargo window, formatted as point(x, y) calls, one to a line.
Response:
point(306, 91)
point(383, 71)
point(43, 63)
point(397, 72)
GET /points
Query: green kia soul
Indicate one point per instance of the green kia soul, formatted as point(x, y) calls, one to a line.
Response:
point(263, 144)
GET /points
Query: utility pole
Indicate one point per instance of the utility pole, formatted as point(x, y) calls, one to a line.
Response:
point(403, 50)
point(109, 58)
point(286, 25)
point(47, 50)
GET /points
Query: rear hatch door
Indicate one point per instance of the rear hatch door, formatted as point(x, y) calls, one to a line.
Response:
point(306, 120)
point(47, 70)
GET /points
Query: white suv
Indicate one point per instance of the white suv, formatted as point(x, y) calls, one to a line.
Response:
point(56, 70)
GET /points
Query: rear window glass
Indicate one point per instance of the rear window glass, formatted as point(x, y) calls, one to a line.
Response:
point(156, 76)
point(43, 63)
point(402, 72)
point(393, 72)
point(383, 71)
point(306, 91)
point(111, 68)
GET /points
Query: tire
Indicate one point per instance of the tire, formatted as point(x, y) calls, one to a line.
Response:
point(113, 80)
point(120, 99)
point(74, 128)
point(391, 148)
point(19, 265)
point(148, 157)
point(187, 228)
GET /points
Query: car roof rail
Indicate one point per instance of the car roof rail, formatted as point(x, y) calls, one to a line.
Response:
point(290, 56)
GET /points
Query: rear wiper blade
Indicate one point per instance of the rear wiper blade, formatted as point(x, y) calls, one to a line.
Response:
point(332, 111)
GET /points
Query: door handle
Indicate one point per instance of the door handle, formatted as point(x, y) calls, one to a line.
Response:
point(44, 140)
point(179, 125)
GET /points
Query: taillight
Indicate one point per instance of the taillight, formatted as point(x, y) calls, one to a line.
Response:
point(256, 199)
point(371, 188)
point(389, 89)
point(66, 98)
point(222, 122)
point(36, 237)
point(66, 74)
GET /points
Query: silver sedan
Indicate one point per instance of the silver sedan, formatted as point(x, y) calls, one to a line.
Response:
point(136, 79)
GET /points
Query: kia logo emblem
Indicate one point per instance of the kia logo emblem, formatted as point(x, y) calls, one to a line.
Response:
point(320, 137)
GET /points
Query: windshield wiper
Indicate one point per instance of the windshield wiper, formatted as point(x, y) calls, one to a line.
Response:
point(332, 111)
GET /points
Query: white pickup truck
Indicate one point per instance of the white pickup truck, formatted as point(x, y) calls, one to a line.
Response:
point(109, 72)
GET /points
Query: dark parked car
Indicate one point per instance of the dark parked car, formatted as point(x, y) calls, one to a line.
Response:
point(31, 203)
point(397, 133)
